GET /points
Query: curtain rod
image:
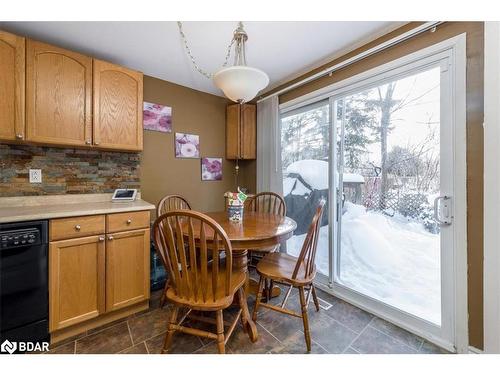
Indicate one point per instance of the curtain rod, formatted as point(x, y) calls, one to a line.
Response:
point(378, 48)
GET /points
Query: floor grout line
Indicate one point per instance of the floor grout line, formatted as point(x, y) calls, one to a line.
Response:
point(317, 343)
point(394, 338)
point(265, 329)
point(357, 337)
point(130, 333)
point(421, 345)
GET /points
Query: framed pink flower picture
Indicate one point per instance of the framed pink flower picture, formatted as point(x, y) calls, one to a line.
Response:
point(187, 145)
point(157, 117)
point(211, 169)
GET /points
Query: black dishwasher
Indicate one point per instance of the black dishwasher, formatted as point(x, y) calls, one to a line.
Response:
point(24, 282)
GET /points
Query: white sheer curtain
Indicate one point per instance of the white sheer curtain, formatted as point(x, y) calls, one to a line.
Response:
point(269, 177)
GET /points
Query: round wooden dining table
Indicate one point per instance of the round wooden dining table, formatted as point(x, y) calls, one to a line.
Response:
point(257, 230)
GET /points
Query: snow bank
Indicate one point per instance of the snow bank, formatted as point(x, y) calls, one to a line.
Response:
point(315, 173)
point(387, 258)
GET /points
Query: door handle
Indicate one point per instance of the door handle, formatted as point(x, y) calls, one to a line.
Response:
point(444, 208)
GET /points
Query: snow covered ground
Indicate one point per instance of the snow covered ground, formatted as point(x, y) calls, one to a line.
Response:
point(388, 258)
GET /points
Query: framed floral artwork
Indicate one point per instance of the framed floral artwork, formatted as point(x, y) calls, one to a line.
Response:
point(157, 117)
point(211, 169)
point(187, 145)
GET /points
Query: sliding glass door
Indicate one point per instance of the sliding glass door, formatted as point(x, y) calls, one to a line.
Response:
point(381, 147)
point(305, 148)
point(388, 239)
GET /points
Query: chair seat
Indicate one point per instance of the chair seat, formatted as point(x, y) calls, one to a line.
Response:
point(280, 267)
point(221, 301)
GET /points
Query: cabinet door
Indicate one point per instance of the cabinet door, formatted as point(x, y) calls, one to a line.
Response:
point(248, 130)
point(127, 268)
point(233, 132)
point(12, 70)
point(59, 93)
point(76, 280)
point(117, 107)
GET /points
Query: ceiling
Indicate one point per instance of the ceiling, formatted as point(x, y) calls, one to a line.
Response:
point(281, 49)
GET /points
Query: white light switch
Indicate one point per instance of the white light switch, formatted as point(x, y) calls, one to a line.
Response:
point(35, 176)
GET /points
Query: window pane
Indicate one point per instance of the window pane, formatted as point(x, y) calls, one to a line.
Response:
point(389, 241)
point(305, 148)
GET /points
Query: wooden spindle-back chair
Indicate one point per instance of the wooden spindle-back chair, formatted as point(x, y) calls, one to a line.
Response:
point(268, 202)
point(272, 203)
point(166, 204)
point(184, 240)
point(171, 203)
point(295, 272)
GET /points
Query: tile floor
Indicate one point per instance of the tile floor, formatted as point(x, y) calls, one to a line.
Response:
point(341, 329)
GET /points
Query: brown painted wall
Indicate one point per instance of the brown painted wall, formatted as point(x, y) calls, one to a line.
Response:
point(475, 56)
point(162, 173)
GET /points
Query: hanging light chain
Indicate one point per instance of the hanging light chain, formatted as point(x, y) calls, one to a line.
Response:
point(193, 61)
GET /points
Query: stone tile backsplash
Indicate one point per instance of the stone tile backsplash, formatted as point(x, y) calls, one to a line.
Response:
point(66, 171)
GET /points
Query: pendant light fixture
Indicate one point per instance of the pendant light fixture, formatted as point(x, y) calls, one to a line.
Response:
point(240, 83)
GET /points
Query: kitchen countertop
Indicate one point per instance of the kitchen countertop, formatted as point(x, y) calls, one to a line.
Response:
point(15, 209)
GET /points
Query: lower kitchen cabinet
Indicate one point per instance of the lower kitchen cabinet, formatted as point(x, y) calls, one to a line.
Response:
point(127, 268)
point(76, 280)
point(97, 278)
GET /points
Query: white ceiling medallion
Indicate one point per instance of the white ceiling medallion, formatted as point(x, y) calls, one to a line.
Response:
point(240, 83)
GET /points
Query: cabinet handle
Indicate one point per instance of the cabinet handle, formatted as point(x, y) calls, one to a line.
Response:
point(129, 221)
point(19, 136)
point(78, 227)
point(110, 238)
point(101, 239)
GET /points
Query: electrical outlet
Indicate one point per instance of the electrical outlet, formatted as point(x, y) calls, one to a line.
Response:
point(35, 176)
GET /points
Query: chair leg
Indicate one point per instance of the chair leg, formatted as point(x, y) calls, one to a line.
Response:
point(305, 320)
point(259, 297)
point(270, 291)
point(170, 331)
point(287, 295)
point(163, 299)
point(315, 297)
point(220, 332)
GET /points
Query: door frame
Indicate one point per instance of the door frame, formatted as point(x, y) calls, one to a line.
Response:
point(454, 49)
point(491, 183)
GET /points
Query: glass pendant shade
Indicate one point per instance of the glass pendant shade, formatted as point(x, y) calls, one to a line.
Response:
point(241, 83)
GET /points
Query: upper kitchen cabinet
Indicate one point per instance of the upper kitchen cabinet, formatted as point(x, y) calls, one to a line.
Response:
point(12, 88)
point(117, 107)
point(59, 96)
point(241, 131)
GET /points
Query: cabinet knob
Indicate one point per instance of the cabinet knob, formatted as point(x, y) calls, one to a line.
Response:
point(19, 136)
point(129, 221)
point(88, 142)
point(110, 238)
point(78, 227)
point(101, 239)
point(96, 143)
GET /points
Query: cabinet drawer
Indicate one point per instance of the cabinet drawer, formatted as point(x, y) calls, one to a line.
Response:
point(79, 226)
point(127, 221)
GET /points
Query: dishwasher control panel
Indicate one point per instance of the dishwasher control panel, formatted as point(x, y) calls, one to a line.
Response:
point(18, 238)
